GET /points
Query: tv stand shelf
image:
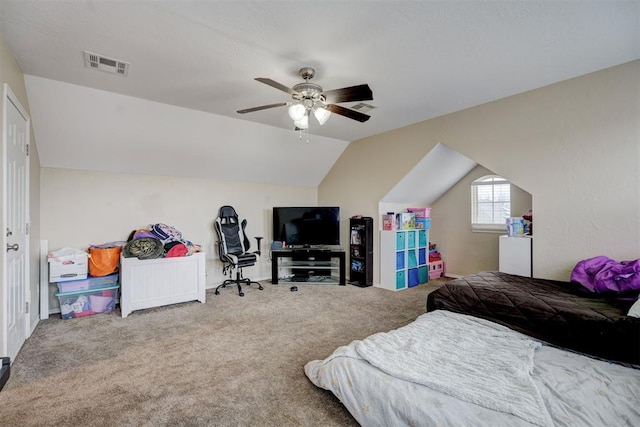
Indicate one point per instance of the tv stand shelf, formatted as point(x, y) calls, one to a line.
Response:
point(308, 265)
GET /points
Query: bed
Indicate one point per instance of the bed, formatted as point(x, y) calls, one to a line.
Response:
point(486, 353)
point(564, 314)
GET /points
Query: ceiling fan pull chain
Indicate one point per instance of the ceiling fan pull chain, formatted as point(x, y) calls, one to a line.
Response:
point(306, 131)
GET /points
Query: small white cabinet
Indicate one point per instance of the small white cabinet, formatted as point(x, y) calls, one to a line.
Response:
point(515, 255)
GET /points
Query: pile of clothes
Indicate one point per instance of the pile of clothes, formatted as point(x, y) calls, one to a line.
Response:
point(604, 275)
point(158, 241)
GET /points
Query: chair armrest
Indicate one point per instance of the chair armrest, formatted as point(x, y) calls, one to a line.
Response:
point(258, 239)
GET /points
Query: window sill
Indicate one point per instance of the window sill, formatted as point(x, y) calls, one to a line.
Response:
point(489, 228)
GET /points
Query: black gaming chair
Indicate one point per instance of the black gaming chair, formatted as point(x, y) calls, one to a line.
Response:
point(233, 248)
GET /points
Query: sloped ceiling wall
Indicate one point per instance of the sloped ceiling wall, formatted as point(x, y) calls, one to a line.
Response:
point(434, 175)
point(82, 128)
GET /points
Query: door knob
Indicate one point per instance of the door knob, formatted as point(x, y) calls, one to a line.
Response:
point(13, 247)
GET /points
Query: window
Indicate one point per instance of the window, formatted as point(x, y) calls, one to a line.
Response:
point(490, 203)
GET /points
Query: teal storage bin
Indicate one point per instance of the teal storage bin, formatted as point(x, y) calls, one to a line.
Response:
point(413, 259)
point(401, 279)
point(400, 241)
point(423, 274)
point(411, 239)
point(422, 239)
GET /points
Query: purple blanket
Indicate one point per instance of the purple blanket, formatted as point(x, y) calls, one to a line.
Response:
point(602, 274)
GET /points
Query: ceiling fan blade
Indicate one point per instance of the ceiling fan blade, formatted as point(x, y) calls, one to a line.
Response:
point(352, 114)
point(349, 94)
point(277, 85)
point(262, 107)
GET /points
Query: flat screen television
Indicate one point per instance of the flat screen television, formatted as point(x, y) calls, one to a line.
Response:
point(307, 226)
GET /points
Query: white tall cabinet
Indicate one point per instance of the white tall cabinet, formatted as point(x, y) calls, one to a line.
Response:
point(515, 255)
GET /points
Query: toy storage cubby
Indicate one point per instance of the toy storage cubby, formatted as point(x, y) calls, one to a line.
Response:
point(404, 258)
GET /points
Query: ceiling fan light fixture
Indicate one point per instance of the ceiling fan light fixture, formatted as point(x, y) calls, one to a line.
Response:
point(310, 98)
point(303, 123)
point(322, 114)
point(297, 111)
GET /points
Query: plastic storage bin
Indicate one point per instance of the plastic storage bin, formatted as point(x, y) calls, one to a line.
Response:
point(420, 212)
point(89, 283)
point(406, 221)
point(89, 302)
point(68, 264)
point(423, 223)
point(388, 222)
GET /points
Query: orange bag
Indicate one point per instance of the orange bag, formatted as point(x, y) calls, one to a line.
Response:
point(103, 259)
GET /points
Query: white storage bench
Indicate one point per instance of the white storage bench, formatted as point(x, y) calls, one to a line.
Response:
point(162, 281)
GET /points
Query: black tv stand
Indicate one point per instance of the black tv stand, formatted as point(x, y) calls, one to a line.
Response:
point(309, 265)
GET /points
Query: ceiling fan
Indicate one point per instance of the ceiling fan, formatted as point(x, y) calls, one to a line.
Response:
point(309, 98)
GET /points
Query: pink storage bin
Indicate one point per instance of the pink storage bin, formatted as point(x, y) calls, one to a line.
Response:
point(420, 212)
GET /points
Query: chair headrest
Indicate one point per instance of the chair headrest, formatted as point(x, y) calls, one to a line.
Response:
point(227, 212)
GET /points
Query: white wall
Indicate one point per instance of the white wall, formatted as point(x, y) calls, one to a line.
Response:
point(81, 208)
point(574, 146)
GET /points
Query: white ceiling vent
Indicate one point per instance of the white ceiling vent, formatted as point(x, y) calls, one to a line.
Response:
point(103, 63)
point(363, 108)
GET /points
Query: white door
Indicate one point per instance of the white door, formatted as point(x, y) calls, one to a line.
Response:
point(16, 218)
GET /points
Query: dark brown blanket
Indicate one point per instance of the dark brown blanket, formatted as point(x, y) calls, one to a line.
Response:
point(560, 313)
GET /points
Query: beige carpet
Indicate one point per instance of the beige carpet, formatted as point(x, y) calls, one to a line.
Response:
point(230, 362)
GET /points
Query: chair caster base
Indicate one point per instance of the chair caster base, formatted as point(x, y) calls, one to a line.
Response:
point(237, 282)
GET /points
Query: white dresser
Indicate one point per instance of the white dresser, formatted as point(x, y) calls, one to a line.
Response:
point(515, 255)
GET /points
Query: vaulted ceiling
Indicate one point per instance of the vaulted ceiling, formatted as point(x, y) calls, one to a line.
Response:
point(192, 65)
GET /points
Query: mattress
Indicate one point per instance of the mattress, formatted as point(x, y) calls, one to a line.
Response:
point(559, 313)
point(575, 389)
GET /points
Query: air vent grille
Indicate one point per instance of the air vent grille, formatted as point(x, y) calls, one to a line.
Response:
point(363, 108)
point(106, 64)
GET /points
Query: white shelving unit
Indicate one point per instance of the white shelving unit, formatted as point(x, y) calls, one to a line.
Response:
point(404, 258)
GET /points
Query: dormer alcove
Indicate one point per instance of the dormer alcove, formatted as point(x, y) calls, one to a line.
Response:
point(442, 180)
